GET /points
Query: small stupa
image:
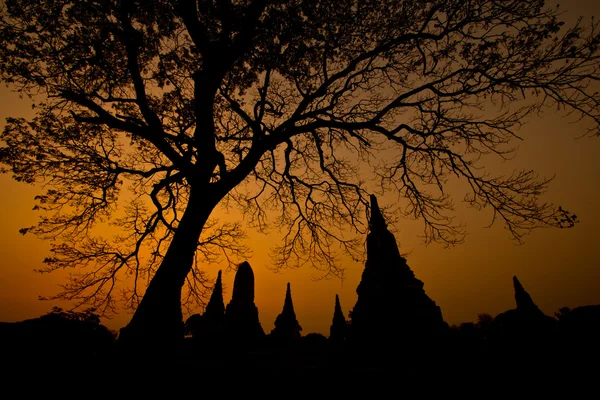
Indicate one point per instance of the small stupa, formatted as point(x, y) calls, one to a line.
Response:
point(209, 325)
point(287, 328)
point(392, 304)
point(215, 309)
point(214, 315)
point(338, 330)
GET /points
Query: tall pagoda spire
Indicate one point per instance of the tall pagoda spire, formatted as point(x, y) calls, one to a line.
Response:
point(391, 301)
point(288, 305)
point(216, 307)
point(209, 326)
point(286, 325)
point(377, 222)
point(339, 325)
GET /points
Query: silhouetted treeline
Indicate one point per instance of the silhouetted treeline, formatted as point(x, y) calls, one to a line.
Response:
point(571, 330)
point(59, 333)
point(572, 335)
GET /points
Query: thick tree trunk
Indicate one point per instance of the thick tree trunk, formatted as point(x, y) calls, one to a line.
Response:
point(158, 320)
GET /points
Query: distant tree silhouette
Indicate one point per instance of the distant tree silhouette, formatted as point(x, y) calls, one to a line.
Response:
point(151, 114)
point(485, 323)
point(484, 320)
point(193, 325)
point(59, 333)
point(562, 312)
point(469, 336)
point(78, 325)
point(472, 337)
point(579, 329)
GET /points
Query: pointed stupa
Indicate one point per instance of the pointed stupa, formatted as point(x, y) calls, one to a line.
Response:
point(391, 302)
point(523, 299)
point(288, 305)
point(241, 314)
point(339, 325)
point(209, 326)
point(525, 326)
point(376, 222)
point(287, 327)
point(215, 309)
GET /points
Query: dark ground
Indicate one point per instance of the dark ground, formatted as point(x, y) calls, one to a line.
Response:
point(427, 370)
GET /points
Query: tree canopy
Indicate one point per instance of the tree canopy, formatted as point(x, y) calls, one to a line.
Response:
point(150, 114)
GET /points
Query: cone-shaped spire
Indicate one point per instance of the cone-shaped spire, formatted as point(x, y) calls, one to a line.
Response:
point(391, 301)
point(377, 222)
point(338, 329)
point(382, 249)
point(522, 298)
point(286, 325)
point(288, 305)
point(338, 315)
point(216, 306)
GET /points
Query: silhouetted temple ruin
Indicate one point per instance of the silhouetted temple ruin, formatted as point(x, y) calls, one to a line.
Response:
point(523, 299)
point(338, 330)
point(526, 324)
point(210, 325)
point(391, 303)
point(215, 309)
point(241, 315)
point(287, 328)
point(392, 316)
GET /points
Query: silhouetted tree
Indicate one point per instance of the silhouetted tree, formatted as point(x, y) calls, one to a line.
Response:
point(562, 312)
point(316, 342)
point(59, 333)
point(485, 321)
point(77, 326)
point(150, 114)
point(579, 329)
point(193, 325)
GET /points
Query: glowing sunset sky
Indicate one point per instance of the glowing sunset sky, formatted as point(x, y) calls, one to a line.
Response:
point(557, 267)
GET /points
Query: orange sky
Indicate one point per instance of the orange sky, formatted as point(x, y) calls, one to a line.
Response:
point(557, 267)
